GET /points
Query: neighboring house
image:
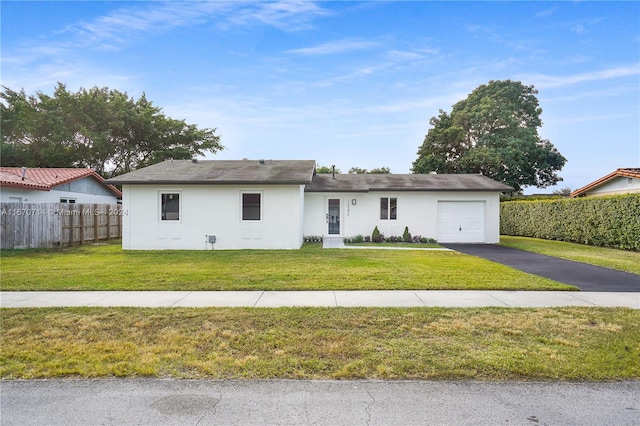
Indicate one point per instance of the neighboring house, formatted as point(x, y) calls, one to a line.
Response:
point(246, 204)
point(622, 181)
point(55, 185)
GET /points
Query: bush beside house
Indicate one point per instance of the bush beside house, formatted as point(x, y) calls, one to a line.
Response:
point(600, 221)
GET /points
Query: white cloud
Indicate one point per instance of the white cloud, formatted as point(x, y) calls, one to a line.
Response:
point(399, 55)
point(543, 81)
point(546, 12)
point(117, 27)
point(284, 15)
point(334, 47)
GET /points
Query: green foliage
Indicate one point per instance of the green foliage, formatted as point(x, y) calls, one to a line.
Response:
point(612, 221)
point(327, 170)
point(379, 171)
point(357, 239)
point(99, 128)
point(406, 236)
point(357, 171)
point(492, 132)
point(376, 236)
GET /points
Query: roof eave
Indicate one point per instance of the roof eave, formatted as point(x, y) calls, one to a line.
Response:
point(208, 182)
point(440, 189)
point(25, 186)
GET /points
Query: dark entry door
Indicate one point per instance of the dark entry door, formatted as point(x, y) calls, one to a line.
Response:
point(333, 216)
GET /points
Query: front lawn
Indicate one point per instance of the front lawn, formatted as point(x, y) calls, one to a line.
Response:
point(594, 344)
point(108, 267)
point(622, 260)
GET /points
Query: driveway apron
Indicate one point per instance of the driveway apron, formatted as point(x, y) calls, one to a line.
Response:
point(584, 276)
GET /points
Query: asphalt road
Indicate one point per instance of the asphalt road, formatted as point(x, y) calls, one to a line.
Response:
point(290, 402)
point(585, 277)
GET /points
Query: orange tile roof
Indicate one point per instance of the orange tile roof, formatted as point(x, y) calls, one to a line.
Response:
point(43, 179)
point(624, 172)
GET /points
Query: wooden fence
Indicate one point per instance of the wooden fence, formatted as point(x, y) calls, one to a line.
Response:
point(58, 225)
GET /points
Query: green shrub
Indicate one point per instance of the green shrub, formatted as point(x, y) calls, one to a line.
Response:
point(354, 240)
point(376, 236)
point(406, 236)
point(612, 221)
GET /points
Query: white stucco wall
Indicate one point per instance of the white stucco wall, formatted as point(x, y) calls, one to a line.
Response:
point(417, 210)
point(212, 210)
point(619, 185)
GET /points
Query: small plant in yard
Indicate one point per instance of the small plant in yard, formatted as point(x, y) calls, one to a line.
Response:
point(425, 240)
point(406, 236)
point(376, 236)
point(357, 239)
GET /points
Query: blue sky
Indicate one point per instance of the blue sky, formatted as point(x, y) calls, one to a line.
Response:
point(344, 83)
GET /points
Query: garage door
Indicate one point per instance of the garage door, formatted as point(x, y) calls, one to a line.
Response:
point(461, 221)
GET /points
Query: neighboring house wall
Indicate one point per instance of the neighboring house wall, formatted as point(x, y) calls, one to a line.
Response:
point(84, 190)
point(417, 210)
point(213, 210)
point(619, 185)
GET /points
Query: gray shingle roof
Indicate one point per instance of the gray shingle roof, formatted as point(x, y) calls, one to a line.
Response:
point(414, 182)
point(221, 172)
point(298, 172)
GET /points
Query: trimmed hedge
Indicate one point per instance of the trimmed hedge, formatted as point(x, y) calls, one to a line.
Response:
point(612, 221)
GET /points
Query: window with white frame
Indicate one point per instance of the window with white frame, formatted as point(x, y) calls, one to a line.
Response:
point(169, 206)
point(251, 206)
point(68, 200)
point(388, 208)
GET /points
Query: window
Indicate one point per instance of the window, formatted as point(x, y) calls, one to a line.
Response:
point(67, 200)
point(251, 206)
point(170, 206)
point(388, 208)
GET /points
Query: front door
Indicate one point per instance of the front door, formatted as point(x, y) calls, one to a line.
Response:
point(333, 216)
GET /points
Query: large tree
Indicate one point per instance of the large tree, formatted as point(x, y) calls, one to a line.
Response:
point(494, 132)
point(100, 128)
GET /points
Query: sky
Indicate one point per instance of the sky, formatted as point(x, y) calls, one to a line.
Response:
point(351, 84)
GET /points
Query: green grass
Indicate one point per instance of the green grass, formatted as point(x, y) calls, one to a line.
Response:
point(593, 344)
point(108, 267)
point(621, 260)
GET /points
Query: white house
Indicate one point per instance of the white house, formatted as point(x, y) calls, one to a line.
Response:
point(246, 204)
point(55, 185)
point(621, 181)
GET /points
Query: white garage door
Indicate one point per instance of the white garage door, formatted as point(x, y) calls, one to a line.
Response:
point(461, 221)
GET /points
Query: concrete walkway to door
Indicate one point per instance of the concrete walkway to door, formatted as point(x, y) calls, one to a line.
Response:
point(584, 276)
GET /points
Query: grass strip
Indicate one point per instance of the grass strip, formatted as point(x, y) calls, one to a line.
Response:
point(590, 344)
point(621, 260)
point(108, 267)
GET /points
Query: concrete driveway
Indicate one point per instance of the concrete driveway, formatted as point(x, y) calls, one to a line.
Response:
point(585, 277)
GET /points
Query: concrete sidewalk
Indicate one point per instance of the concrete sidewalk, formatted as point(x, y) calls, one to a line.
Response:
point(273, 299)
